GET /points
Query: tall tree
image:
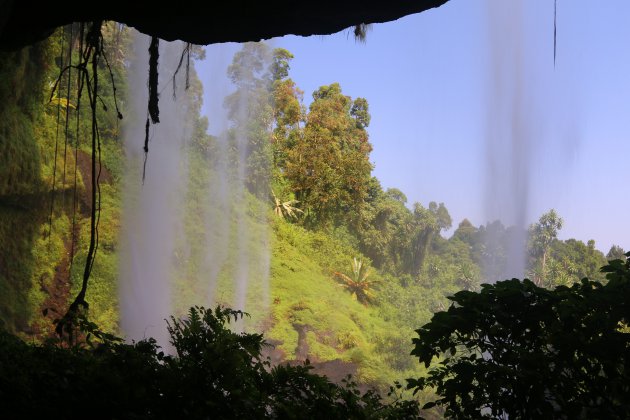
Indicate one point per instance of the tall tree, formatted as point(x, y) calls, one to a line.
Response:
point(442, 216)
point(576, 260)
point(250, 111)
point(288, 111)
point(615, 253)
point(280, 64)
point(466, 233)
point(542, 235)
point(490, 251)
point(381, 216)
point(328, 165)
point(426, 223)
point(414, 237)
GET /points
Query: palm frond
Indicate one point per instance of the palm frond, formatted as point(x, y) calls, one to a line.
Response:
point(358, 285)
point(285, 208)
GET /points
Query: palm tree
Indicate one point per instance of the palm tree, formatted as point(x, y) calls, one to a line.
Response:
point(285, 208)
point(360, 287)
point(537, 274)
point(467, 278)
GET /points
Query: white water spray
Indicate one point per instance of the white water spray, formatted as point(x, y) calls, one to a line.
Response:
point(189, 236)
point(152, 210)
point(511, 127)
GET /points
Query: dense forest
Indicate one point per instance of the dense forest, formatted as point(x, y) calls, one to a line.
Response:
point(354, 270)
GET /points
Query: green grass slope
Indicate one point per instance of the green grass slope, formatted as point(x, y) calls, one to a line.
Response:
point(306, 297)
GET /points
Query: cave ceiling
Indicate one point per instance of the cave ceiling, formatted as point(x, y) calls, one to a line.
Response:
point(25, 22)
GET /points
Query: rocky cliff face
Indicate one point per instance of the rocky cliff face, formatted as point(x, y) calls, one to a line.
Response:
point(24, 22)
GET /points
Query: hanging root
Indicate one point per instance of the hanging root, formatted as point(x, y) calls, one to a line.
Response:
point(54, 180)
point(80, 85)
point(154, 96)
point(185, 53)
point(146, 148)
point(94, 46)
point(65, 144)
point(188, 48)
point(111, 76)
point(154, 53)
point(555, 10)
point(360, 31)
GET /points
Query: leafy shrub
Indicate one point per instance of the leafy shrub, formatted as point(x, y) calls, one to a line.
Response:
point(214, 373)
point(515, 350)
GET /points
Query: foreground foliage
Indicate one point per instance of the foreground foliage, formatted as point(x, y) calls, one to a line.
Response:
point(214, 373)
point(515, 350)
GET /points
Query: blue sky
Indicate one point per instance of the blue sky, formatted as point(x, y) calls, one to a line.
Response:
point(430, 80)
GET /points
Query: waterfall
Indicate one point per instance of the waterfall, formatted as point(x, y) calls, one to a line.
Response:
point(510, 136)
point(152, 210)
point(194, 232)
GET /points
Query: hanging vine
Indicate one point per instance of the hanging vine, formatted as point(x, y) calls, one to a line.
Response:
point(153, 110)
point(154, 97)
point(59, 102)
point(80, 85)
point(185, 54)
point(91, 51)
point(555, 30)
point(92, 54)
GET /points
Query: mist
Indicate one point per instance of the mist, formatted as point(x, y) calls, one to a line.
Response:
point(191, 235)
point(152, 208)
point(510, 141)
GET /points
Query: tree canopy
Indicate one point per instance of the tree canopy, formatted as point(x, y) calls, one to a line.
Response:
point(328, 164)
